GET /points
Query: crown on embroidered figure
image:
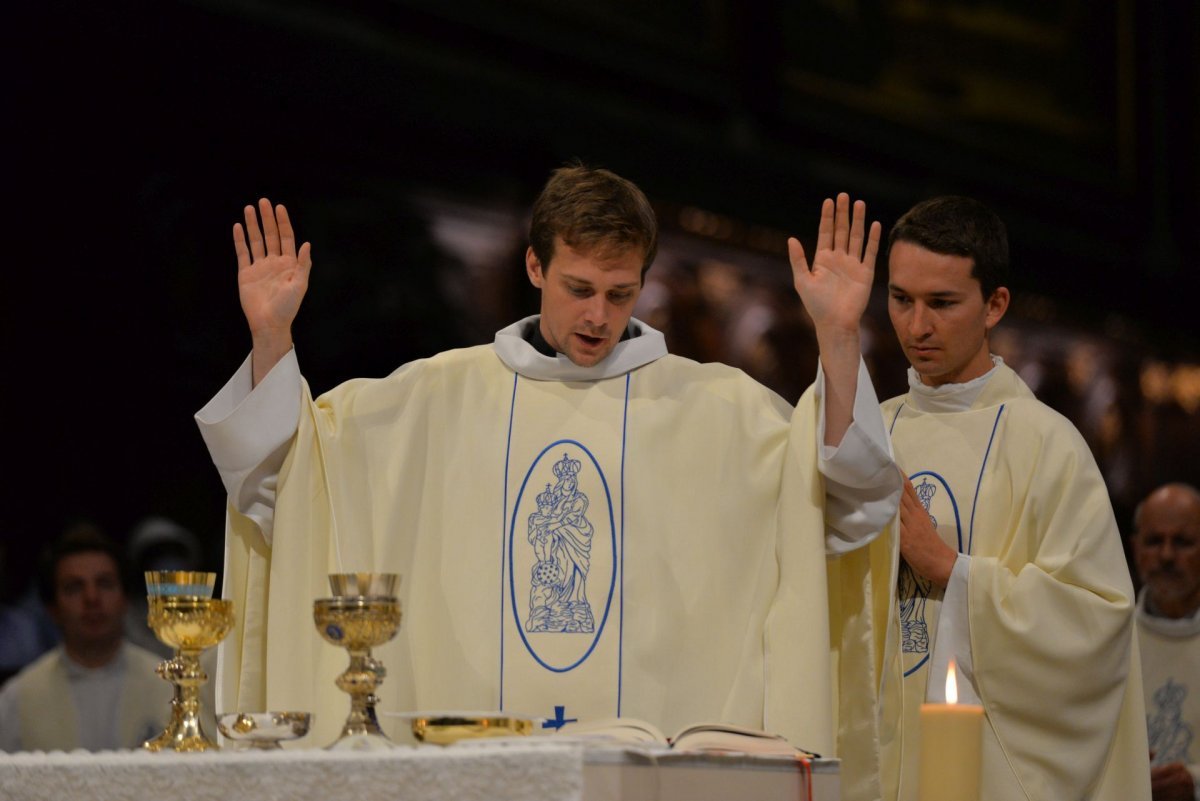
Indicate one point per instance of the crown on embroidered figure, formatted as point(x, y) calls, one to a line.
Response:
point(567, 468)
point(925, 492)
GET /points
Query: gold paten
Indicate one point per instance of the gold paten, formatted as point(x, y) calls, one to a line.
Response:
point(189, 624)
point(359, 623)
point(448, 729)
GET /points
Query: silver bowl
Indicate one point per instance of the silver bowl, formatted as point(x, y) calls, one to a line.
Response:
point(264, 730)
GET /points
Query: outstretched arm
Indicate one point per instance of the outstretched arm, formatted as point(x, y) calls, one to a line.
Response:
point(272, 280)
point(835, 291)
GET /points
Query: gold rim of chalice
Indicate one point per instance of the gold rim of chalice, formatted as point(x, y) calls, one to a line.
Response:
point(185, 583)
point(449, 728)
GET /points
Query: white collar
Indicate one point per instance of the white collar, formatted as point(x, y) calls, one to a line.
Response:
point(948, 397)
point(76, 671)
point(643, 346)
point(1167, 626)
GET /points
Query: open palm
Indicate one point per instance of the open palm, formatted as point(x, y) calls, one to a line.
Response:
point(836, 288)
point(272, 274)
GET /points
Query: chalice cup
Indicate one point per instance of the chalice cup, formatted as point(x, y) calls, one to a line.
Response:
point(185, 618)
point(364, 612)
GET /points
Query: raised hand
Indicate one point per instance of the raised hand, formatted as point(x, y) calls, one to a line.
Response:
point(272, 280)
point(836, 288)
point(835, 291)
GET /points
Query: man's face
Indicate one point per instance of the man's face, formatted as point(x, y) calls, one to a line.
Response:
point(1166, 549)
point(89, 604)
point(586, 300)
point(939, 314)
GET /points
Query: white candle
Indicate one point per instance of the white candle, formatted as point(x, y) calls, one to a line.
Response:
point(951, 737)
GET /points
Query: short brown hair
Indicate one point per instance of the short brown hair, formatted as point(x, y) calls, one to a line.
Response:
point(592, 209)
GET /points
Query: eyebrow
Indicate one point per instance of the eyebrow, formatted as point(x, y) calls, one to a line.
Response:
point(948, 293)
point(585, 282)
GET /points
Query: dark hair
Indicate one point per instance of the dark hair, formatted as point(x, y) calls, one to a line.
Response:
point(592, 209)
point(77, 538)
point(959, 226)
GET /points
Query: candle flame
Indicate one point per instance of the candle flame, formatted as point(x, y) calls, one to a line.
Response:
point(951, 685)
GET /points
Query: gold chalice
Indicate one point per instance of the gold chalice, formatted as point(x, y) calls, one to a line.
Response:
point(363, 613)
point(185, 618)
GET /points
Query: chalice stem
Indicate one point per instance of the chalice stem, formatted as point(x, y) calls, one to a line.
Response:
point(184, 732)
point(360, 681)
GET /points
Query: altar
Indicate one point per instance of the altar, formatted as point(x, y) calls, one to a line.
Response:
point(534, 768)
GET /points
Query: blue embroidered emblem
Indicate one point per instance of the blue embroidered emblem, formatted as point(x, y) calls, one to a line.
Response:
point(561, 536)
point(925, 492)
point(914, 589)
point(1170, 735)
point(562, 548)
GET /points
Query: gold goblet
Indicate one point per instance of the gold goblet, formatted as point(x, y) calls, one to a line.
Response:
point(189, 624)
point(363, 613)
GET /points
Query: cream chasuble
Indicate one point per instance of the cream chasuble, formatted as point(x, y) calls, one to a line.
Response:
point(48, 716)
point(1050, 641)
point(649, 543)
point(1171, 673)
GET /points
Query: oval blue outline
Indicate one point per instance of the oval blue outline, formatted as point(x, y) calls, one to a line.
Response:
point(512, 529)
point(953, 502)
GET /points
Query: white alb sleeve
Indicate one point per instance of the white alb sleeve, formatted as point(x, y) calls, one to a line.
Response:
point(953, 640)
point(248, 431)
point(862, 482)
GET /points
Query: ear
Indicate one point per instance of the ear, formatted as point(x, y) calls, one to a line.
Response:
point(997, 305)
point(533, 268)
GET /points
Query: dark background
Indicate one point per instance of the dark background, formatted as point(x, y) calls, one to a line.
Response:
point(137, 131)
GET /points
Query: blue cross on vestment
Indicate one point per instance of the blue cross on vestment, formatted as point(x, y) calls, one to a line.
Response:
point(558, 721)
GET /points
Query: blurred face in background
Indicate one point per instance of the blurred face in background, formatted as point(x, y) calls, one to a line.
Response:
point(89, 602)
point(1166, 550)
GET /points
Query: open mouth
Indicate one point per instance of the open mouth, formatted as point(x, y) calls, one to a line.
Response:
point(591, 342)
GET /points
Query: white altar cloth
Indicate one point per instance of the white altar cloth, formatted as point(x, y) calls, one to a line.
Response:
point(511, 771)
point(496, 770)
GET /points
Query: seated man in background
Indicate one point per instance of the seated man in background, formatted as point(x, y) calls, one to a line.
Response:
point(1166, 552)
point(94, 691)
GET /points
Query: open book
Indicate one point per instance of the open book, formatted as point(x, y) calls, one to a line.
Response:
point(722, 737)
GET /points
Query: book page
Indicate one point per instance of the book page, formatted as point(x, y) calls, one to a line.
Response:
point(727, 737)
point(628, 730)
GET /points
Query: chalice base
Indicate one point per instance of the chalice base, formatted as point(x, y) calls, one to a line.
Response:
point(182, 734)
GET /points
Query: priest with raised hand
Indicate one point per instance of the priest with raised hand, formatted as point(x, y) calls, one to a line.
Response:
point(586, 526)
point(1010, 562)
